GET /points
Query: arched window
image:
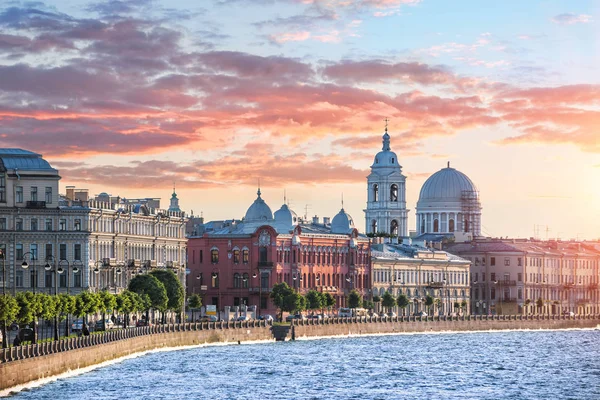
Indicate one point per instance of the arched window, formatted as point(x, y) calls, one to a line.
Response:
point(262, 255)
point(436, 225)
point(236, 256)
point(236, 280)
point(394, 227)
point(245, 281)
point(375, 192)
point(245, 256)
point(423, 225)
point(214, 256)
point(394, 193)
point(451, 226)
point(466, 225)
point(374, 226)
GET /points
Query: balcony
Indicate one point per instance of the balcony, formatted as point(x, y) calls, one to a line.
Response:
point(507, 283)
point(35, 204)
point(435, 285)
point(107, 262)
point(265, 264)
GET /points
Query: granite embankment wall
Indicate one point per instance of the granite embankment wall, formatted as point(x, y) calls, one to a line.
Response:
point(353, 326)
point(24, 364)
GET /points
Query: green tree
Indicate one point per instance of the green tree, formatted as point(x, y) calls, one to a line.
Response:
point(125, 305)
point(50, 308)
point(376, 300)
point(29, 308)
point(354, 299)
point(278, 294)
point(463, 305)
point(174, 288)
point(329, 300)
point(86, 303)
point(402, 302)
point(368, 304)
point(9, 309)
point(194, 303)
point(388, 301)
point(66, 306)
point(314, 300)
point(294, 303)
point(429, 303)
point(151, 286)
point(539, 303)
point(108, 303)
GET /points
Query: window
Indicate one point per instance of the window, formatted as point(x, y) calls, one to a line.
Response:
point(507, 262)
point(62, 280)
point(48, 224)
point(48, 251)
point(77, 224)
point(2, 188)
point(492, 261)
point(451, 226)
point(19, 278)
point(201, 256)
point(519, 262)
point(19, 251)
point(77, 279)
point(3, 224)
point(493, 293)
point(62, 251)
point(520, 294)
point(375, 192)
point(436, 225)
point(245, 281)
point(48, 195)
point(394, 228)
point(19, 224)
point(245, 256)
point(33, 248)
point(33, 193)
point(19, 194)
point(34, 224)
point(483, 276)
point(214, 256)
point(520, 277)
point(48, 279)
point(236, 256)
point(214, 277)
point(236, 280)
point(394, 192)
point(77, 252)
point(62, 226)
point(493, 277)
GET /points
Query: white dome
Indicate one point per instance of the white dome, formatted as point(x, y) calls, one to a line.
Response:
point(286, 217)
point(342, 223)
point(258, 211)
point(447, 185)
point(386, 157)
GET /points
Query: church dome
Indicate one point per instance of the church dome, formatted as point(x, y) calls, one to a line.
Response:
point(285, 216)
point(259, 210)
point(342, 223)
point(447, 185)
point(386, 157)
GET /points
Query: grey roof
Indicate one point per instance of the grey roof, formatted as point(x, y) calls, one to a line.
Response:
point(411, 252)
point(447, 184)
point(23, 160)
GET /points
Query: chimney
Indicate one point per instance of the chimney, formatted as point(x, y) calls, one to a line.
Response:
point(315, 220)
point(70, 192)
point(326, 220)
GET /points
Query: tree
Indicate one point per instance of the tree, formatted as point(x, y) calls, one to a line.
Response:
point(50, 308)
point(278, 294)
point(194, 302)
point(314, 300)
point(388, 300)
point(368, 304)
point(86, 303)
point(173, 286)
point(377, 300)
point(539, 303)
point(108, 303)
point(66, 306)
point(354, 299)
point(125, 305)
point(29, 308)
point(294, 303)
point(329, 300)
point(429, 302)
point(9, 309)
point(155, 289)
point(402, 302)
point(463, 305)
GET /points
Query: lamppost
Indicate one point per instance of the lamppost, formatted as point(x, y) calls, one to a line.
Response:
point(25, 265)
point(52, 268)
point(215, 277)
point(4, 338)
point(97, 274)
point(62, 270)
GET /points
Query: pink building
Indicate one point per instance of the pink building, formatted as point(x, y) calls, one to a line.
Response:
point(239, 262)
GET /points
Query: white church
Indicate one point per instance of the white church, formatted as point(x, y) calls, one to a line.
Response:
point(448, 206)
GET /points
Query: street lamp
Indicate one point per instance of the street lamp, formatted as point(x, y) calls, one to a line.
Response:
point(215, 277)
point(52, 268)
point(25, 265)
point(97, 274)
point(76, 269)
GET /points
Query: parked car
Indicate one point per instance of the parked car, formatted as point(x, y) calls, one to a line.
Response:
point(314, 316)
point(142, 322)
point(266, 317)
point(77, 325)
point(569, 314)
point(104, 325)
point(209, 318)
point(244, 318)
point(420, 314)
point(294, 316)
point(374, 315)
point(26, 334)
point(391, 314)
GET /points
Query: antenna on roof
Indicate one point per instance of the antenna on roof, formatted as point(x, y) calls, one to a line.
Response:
point(284, 197)
point(306, 207)
point(342, 200)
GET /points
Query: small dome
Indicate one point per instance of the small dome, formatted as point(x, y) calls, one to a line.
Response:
point(285, 216)
point(386, 157)
point(342, 223)
point(446, 185)
point(259, 210)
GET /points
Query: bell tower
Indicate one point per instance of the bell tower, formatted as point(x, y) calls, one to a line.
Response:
point(386, 194)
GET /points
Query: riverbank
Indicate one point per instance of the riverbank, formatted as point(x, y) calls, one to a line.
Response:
point(68, 359)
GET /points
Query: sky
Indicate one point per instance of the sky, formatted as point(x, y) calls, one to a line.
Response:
point(133, 97)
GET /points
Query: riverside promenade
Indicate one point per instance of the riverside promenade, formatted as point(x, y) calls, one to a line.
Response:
point(23, 364)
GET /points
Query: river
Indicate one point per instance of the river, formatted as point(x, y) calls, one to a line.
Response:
point(489, 365)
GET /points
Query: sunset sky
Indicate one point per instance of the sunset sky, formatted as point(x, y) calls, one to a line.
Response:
point(128, 97)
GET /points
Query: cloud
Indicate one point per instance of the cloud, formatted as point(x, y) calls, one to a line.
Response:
point(570, 19)
point(290, 37)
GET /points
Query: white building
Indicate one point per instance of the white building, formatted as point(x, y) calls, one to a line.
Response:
point(449, 204)
point(37, 227)
point(386, 194)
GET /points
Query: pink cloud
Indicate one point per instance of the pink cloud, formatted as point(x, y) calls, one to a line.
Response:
point(570, 19)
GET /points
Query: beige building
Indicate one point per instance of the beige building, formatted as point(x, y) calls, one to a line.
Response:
point(418, 272)
point(519, 276)
point(97, 245)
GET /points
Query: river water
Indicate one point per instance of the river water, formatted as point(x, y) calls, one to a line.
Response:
point(494, 365)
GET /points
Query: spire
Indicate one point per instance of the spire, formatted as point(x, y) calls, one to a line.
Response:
point(258, 191)
point(448, 164)
point(386, 137)
point(284, 197)
point(342, 200)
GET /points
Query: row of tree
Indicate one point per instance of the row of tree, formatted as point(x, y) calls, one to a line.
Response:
point(159, 290)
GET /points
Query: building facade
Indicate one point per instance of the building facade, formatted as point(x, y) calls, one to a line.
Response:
point(237, 264)
point(418, 272)
point(386, 194)
point(89, 244)
point(532, 277)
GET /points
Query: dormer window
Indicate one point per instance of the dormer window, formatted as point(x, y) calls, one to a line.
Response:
point(392, 160)
point(376, 160)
